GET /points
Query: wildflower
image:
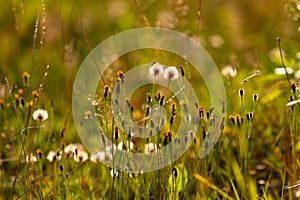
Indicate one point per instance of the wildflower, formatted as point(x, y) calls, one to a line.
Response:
point(110, 151)
point(114, 172)
point(40, 115)
point(54, 156)
point(88, 115)
point(25, 78)
point(121, 76)
point(17, 97)
point(51, 156)
point(72, 149)
point(20, 91)
point(98, 157)
point(35, 94)
point(29, 104)
point(297, 74)
point(297, 191)
point(171, 73)
point(31, 158)
point(229, 71)
point(156, 69)
point(80, 156)
point(128, 145)
point(39, 152)
point(282, 70)
point(149, 148)
point(8, 105)
point(103, 155)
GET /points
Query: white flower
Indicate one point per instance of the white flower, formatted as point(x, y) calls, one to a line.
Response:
point(98, 157)
point(229, 71)
point(72, 149)
point(31, 158)
point(114, 172)
point(297, 74)
point(40, 115)
point(125, 146)
point(54, 156)
point(149, 148)
point(80, 156)
point(171, 73)
point(107, 154)
point(156, 69)
point(281, 70)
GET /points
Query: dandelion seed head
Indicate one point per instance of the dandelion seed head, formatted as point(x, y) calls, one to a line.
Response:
point(171, 73)
point(229, 71)
point(40, 115)
point(54, 156)
point(156, 69)
point(149, 148)
point(71, 149)
point(98, 157)
point(31, 158)
point(81, 156)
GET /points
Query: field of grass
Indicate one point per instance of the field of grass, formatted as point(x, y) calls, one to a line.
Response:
point(254, 44)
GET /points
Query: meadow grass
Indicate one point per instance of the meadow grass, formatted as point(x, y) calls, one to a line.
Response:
point(256, 156)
